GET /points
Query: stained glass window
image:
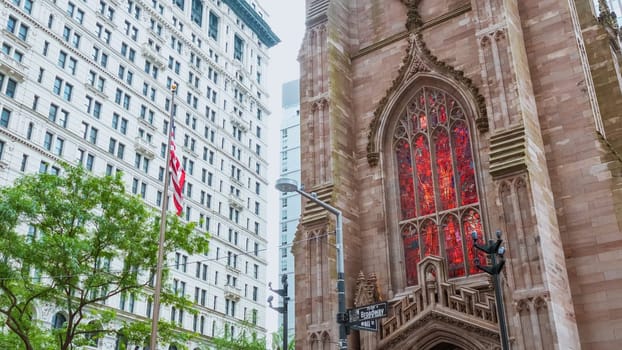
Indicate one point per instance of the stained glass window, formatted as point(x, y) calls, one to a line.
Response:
point(411, 252)
point(439, 203)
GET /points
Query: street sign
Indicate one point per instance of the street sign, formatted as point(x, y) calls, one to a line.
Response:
point(368, 312)
point(369, 325)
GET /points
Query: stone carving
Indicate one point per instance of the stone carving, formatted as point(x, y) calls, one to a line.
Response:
point(607, 18)
point(508, 152)
point(366, 291)
point(488, 335)
point(418, 59)
point(437, 299)
point(46, 311)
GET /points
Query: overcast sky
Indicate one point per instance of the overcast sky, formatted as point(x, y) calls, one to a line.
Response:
point(286, 17)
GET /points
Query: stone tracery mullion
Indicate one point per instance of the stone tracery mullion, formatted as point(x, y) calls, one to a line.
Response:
point(520, 232)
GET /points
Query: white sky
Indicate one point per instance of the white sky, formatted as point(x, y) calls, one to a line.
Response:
point(287, 18)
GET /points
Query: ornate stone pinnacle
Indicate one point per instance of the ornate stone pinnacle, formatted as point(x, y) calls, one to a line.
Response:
point(606, 16)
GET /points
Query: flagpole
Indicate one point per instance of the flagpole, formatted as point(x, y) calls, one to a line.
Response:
point(158, 286)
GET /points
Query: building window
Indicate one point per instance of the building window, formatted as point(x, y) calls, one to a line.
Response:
point(58, 146)
point(10, 87)
point(47, 141)
point(435, 172)
point(90, 160)
point(238, 47)
point(58, 321)
point(5, 117)
point(213, 26)
point(62, 58)
point(18, 29)
point(197, 12)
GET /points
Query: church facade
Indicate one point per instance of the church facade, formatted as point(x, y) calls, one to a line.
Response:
point(424, 121)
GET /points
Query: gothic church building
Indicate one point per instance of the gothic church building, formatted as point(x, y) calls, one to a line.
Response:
point(424, 121)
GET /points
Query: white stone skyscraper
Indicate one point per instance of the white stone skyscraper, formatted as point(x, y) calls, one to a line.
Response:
point(88, 82)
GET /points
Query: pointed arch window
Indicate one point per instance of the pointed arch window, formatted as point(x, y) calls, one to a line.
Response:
point(439, 205)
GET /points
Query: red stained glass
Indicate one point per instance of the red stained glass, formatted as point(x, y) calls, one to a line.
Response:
point(425, 185)
point(405, 170)
point(432, 97)
point(433, 117)
point(471, 222)
point(464, 160)
point(445, 171)
point(414, 117)
point(442, 115)
point(436, 101)
point(442, 178)
point(453, 247)
point(429, 238)
point(423, 122)
point(411, 254)
point(421, 100)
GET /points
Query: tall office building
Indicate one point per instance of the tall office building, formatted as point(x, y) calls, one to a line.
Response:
point(88, 82)
point(289, 202)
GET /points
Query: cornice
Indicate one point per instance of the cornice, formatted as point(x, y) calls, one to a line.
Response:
point(254, 21)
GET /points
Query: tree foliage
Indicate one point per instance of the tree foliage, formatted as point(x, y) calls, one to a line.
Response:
point(277, 341)
point(246, 339)
point(73, 241)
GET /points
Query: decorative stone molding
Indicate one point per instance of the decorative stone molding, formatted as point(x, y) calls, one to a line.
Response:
point(507, 152)
point(535, 302)
point(419, 59)
point(312, 211)
point(317, 12)
point(435, 299)
point(487, 334)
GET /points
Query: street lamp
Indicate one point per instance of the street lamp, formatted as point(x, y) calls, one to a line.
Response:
point(494, 249)
point(281, 309)
point(289, 185)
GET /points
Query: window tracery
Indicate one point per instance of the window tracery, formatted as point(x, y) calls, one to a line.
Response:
point(439, 203)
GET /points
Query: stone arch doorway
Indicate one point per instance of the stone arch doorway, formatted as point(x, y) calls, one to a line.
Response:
point(436, 330)
point(446, 346)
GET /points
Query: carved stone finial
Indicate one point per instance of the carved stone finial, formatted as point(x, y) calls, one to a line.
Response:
point(367, 290)
point(360, 279)
point(607, 17)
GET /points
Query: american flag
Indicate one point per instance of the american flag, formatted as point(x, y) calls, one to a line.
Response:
point(178, 173)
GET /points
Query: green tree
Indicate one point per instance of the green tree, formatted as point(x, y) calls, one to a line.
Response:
point(246, 339)
point(277, 340)
point(86, 241)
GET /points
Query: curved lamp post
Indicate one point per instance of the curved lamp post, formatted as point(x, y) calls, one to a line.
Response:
point(289, 185)
point(494, 251)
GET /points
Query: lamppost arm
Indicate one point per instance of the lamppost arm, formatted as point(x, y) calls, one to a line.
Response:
point(289, 185)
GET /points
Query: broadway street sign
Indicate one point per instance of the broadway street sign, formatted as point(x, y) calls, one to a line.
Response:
point(367, 312)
